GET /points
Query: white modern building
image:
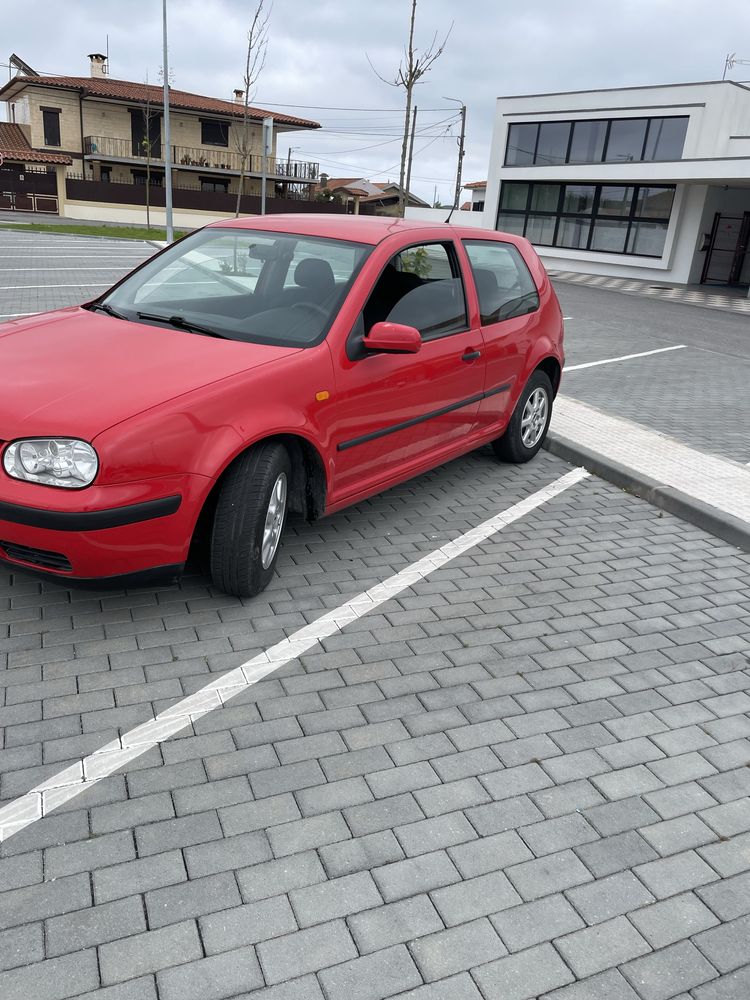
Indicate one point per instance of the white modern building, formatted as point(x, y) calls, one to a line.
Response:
point(641, 182)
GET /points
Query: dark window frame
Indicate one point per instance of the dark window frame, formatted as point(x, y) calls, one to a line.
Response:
point(214, 181)
point(572, 122)
point(221, 126)
point(631, 218)
point(54, 120)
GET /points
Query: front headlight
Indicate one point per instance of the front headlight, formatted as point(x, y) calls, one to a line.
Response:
point(52, 462)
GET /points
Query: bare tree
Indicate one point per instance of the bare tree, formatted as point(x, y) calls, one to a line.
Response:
point(255, 60)
point(410, 71)
point(149, 117)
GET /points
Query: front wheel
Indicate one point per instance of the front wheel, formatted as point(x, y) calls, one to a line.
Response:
point(249, 520)
point(527, 429)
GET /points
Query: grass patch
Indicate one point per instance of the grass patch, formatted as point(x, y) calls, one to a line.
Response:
point(123, 232)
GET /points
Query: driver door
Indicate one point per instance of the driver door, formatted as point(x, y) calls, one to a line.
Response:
point(398, 412)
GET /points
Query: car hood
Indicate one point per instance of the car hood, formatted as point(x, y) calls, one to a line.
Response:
point(75, 373)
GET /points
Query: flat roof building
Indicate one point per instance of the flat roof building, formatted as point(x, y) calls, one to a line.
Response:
point(641, 182)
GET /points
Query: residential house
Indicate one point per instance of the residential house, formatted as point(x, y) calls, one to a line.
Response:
point(358, 193)
point(478, 194)
point(110, 134)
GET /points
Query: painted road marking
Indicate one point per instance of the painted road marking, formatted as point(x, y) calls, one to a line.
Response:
point(624, 357)
point(43, 798)
point(8, 315)
point(78, 284)
point(38, 269)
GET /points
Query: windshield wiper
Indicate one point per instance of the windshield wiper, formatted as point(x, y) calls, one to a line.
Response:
point(180, 323)
point(107, 309)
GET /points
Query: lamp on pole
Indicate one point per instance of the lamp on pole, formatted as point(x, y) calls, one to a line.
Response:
point(167, 139)
point(457, 195)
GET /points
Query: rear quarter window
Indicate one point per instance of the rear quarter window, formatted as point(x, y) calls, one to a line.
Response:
point(503, 281)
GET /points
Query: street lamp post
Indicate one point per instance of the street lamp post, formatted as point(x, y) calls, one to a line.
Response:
point(167, 139)
point(457, 195)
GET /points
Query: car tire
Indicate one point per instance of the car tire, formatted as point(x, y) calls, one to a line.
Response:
point(249, 519)
point(527, 429)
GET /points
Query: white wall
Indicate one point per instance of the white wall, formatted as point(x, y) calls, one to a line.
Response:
point(458, 218)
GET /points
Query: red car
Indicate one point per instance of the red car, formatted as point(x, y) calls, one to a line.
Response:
point(260, 366)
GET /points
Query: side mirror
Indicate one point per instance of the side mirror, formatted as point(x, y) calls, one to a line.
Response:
point(393, 338)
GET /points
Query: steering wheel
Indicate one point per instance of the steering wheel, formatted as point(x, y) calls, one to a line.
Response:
point(313, 306)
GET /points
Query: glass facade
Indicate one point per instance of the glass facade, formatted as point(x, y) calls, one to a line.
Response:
point(609, 218)
point(609, 140)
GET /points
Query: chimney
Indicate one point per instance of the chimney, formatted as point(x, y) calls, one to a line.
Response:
point(239, 96)
point(99, 66)
point(324, 180)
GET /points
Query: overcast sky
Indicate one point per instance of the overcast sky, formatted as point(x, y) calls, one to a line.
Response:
point(317, 56)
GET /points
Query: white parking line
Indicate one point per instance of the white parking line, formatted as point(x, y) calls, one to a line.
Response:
point(624, 357)
point(78, 284)
point(38, 269)
point(11, 315)
point(53, 792)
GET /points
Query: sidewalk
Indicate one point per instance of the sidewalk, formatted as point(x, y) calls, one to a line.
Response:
point(708, 296)
point(710, 492)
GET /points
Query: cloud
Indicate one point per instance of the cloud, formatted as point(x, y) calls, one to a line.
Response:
point(317, 56)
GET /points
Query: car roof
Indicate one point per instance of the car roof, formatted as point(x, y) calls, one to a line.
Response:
point(358, 228)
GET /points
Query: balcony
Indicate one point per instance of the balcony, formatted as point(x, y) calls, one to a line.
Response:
point(206, 158)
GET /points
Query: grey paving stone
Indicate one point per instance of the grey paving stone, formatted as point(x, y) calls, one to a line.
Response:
point(480, 734)
point(673, 919)
point(614, 854)
point(212, 978)
point(675, 874)
point(94, 925)
point(157, 838)
point(609, 897)
point(457, 949)
point(524, 975)
point(138, 876)
point(727, 947)
point(23, 946)
point(601, 947)
point(394, 923)
point(533, 923)
point(333, 795)
point(25, 869)
point(383, 814)
point(404, 778)
point(313, 831)
point(729, 987)
point(287, 778)
point(679, 834)
point(87, 855)
point(605, 984)
point(729, 818)
point(335, 898)
point(149, 952)
point(54, 979)
point(679, 800)
point(460, 987)
point(728, 898)
point(281, 875)
point(249, 816)
point(305, 988)
point(617, 817)
point(372, 977)
point(356, 762)
point(47, 899)
point(191, 899)
point(489, 854)
point(626, 782)
point(433, 834)
point(360, 854)
point(228, 854)
point(244, 926)
point(143, 988)
point(546, 875)
point(669, 971)
point(516, 781)
point(474, 897)
point(309, 950)
point(414, 875)
point(506, 815)
point(729, 785)
point(451, 797)
point(572, 766)
point(729, 857)
point(556, 834)
point(422, 748)
point(573, 796)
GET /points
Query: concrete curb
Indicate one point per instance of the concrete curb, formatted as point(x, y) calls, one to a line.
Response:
point(11, 227)
point(725, 526)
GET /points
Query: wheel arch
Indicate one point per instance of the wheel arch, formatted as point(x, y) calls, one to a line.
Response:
point(551, 368)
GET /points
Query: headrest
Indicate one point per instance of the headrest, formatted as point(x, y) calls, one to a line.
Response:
point(314, 273)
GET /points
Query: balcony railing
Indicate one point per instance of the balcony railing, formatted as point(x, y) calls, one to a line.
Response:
point(208, 157)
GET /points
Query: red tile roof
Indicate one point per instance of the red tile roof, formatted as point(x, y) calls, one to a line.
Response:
point(476, 184)
point(139, 93)
point(15, 146)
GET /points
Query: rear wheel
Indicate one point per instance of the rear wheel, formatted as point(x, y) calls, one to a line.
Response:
point(249, 520)
point(527, 429)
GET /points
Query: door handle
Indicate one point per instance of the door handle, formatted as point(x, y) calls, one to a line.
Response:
point(471, 355)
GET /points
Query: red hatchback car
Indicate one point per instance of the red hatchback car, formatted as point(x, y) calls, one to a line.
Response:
point(260, 366)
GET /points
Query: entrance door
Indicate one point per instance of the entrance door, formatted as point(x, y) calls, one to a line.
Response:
point(727, 248)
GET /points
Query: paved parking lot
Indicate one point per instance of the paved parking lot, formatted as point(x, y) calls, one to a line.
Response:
point(524, 774)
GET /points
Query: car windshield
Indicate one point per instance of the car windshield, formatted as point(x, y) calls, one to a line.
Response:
point(242, 284)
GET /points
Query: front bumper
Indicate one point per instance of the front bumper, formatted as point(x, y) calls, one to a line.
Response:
point(102, 532)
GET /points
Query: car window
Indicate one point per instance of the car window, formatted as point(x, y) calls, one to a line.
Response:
point(260, 287)
point(421, 287)
point(503, 281)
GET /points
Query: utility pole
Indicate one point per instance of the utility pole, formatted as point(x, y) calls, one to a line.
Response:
point(267, 143)
point(167, 139)
point(457, 195)
point(411, 154)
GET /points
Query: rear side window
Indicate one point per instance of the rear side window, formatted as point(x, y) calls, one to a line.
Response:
point(504, 284)
point(420, 287)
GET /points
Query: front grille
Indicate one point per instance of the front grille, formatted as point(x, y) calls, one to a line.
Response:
point(36, 557)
